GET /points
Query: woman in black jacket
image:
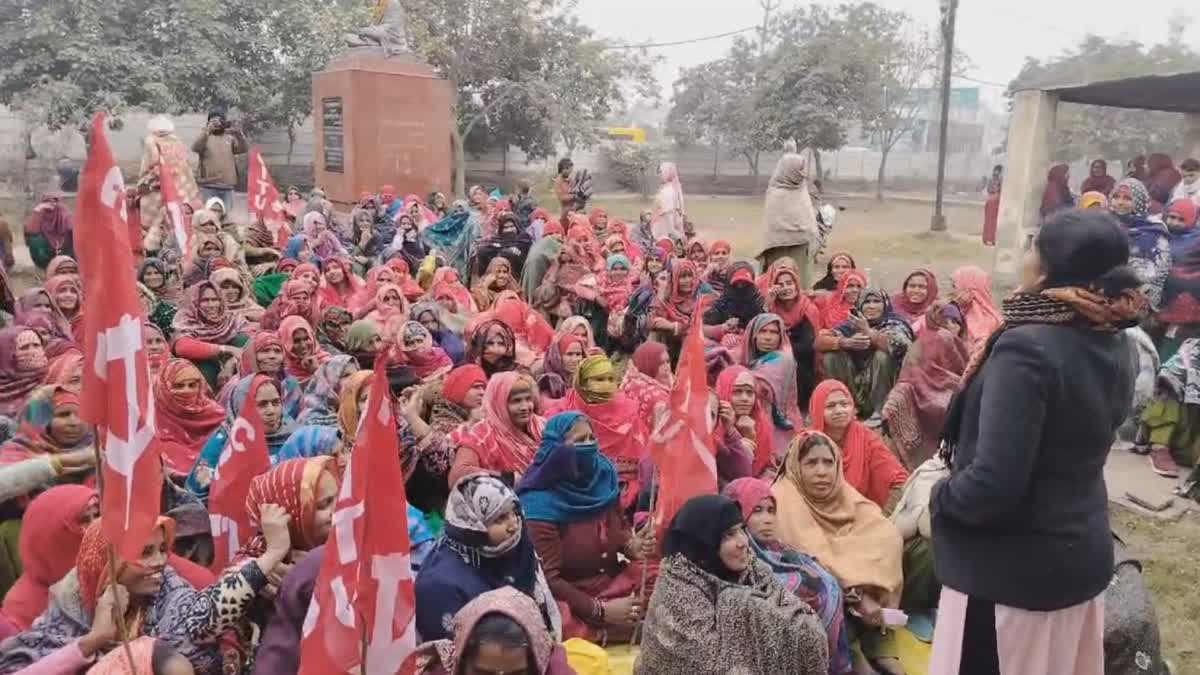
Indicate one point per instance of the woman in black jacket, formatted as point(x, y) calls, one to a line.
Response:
point(1020, 528)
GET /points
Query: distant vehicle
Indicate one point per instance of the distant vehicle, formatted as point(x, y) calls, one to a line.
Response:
point(626, 134)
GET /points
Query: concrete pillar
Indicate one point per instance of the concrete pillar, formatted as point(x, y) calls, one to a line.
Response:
point(1030, 147)
point(1191, 136)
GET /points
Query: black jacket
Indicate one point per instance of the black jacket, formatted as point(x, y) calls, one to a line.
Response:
point(1023, 519)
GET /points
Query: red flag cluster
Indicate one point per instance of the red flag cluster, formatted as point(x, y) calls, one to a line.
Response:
point(263, 198)
point(363, 604)
point(681, 443)
point(116, 392)
point(244, 457)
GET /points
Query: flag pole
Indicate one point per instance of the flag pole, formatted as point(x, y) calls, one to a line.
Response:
point(112, 551)
point(637, 630)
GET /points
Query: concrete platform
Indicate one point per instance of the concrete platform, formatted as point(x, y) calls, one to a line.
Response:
point(1133, 485)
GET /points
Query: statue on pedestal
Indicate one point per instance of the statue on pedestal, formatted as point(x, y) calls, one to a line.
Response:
point(388, 30)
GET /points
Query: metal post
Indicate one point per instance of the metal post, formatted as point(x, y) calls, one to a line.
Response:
point(949, 10)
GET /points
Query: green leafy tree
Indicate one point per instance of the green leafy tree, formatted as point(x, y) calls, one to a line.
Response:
point(63, 60)
point(699, 107)
point(527, 53)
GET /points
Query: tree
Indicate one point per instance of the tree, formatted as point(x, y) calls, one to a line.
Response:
point(253, 56)
point(527, 53)
point(699, 106)
point(856, 61)
point(896, 60)
point(1095, 131)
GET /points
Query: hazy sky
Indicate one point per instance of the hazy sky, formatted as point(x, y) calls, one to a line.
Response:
point(996, 34)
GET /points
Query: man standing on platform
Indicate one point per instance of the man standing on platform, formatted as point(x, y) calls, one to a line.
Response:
point(218, 146)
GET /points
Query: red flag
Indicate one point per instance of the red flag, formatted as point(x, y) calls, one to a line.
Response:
point(263, 198)
point(116, 377)
point(364, 592)
point(180, 226)
point(681, 443)
point(244, 457)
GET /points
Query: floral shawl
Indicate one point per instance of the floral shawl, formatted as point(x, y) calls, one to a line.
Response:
point(189, 322)
point(899, 334)
point(778, 370)
point(916, 409)
point(320, 406)
point(15, 383)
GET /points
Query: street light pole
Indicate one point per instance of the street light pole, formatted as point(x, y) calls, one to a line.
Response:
point(949, 11)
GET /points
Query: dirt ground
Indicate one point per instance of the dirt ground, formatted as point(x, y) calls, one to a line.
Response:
point(889, 240)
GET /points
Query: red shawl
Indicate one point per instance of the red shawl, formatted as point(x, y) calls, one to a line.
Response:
point(640, 384)
point(621, 229)
point(527, 325)
point(343, 295)
point(447, 280)
point(364, 300)
point(868, 463)
point(183, 423)
point(49, 543)
point(411, 289)
point(53, 285)
point(290, 303)
point(293, 365)
point(501, 446)
point(616, 292)
point(679, 306)
point(15, 382)
point(917, 407)
point(802, 307)
point(912, 311)
point(834, 308)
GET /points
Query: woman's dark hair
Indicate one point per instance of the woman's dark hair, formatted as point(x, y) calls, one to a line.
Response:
point(502, 630)
point(162, 653)
point(1086, 247)
point(552, 385)
point(1190, 165)
point(564, 164)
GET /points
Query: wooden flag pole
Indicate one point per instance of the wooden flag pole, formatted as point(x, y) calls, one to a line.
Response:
point(112, 552)
point(637, 630)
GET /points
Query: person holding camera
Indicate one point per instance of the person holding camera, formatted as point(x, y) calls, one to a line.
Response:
point(218, 145)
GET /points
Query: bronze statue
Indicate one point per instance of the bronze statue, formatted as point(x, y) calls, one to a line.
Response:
point(388, 30)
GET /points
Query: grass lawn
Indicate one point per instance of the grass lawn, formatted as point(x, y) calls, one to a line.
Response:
point(1169, 551)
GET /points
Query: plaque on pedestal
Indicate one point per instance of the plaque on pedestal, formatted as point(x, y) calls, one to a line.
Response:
point(381, 119)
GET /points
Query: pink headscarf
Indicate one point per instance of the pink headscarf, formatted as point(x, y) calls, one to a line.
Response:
point(501, 446)
point(982, 317)
point(669, 173)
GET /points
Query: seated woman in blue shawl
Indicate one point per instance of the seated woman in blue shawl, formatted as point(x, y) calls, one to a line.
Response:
point(571, 495)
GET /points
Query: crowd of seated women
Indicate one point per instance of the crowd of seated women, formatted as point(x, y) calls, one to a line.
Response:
point(530, 357)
